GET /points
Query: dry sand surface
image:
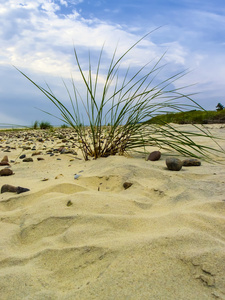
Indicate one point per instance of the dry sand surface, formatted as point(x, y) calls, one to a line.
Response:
point(89, 238)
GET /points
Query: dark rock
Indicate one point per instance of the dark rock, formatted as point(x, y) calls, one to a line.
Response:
point(174, 164)
point(21, 190)
point(191, 162)
point(22, 156)
point(69, 203)
point(28, 159)
point(13, 189)
point(40, 158)
point(126, 185)
point(6, 172)
point(155, 155)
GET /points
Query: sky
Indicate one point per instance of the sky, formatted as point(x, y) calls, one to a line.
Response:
point(38, 37)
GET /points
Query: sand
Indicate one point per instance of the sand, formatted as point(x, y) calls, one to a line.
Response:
point(89, 238)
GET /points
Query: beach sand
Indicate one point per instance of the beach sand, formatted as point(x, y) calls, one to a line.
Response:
point(89, 238)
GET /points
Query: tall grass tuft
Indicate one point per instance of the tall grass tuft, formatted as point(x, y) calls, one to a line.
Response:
point(125, 106)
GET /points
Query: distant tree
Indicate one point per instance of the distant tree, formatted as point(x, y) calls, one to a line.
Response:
point(219, 107)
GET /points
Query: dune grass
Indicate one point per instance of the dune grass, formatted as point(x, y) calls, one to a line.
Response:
point(125, 104)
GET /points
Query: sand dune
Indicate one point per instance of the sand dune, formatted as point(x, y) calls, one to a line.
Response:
point(89, 238)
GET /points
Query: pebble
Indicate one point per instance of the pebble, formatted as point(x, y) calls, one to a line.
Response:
point(76, 176)
point(13, 189)
point(28, 159)
point(69, 203)
point(174, 164)
point(4, 161)
point(126, 185)
point(191, 162)
point(6, 172)
point(155, 155)
point(36, 153)
point(22, 156)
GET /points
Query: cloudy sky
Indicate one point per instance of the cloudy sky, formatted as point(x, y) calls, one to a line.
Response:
point(38, 36)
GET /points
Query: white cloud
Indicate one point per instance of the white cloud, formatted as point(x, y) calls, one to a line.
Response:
point(36, 37)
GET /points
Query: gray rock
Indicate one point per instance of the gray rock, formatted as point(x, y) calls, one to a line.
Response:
point(174, 164)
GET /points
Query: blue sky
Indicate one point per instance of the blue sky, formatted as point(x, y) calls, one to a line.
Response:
point(38, 36)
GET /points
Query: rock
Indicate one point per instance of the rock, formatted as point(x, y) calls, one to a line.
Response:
point(40, 158)
point(4, 161)
point(21, 190)
point(191, 162)
point(36, 153)
point(28, 159)
point(174, 164)
point(22, 156)
point(13, 189)
point(155, 155)
point(126, 185)
point(69, 203)
point(6, 172)
point(59, 176)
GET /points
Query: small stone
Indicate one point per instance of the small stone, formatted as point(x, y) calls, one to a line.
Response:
point(155, 155)
point(69, 203)
point(6, 172)
point(40, 158)
point(174, 164)
point(4, 161)
point(126, 185)
point(76, 176)
point(28, 159)
point(8, 188)
point(22, 156)
point(191, 162)
point(36, 153)
point(13, 189)
point(59, 176)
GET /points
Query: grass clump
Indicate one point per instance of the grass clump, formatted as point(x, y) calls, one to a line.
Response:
point(45, 125)
point(125, 102)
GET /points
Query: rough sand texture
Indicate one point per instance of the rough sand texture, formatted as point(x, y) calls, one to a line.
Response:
point(89, 238)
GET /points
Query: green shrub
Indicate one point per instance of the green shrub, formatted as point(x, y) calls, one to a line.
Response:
point(45, 125)
point(35, 125)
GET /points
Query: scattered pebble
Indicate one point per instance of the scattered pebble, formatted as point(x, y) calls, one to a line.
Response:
point(6, 172)
point(22, 156)
point(191, 162)
point(59, 176)
point(45, 179)
point(69, 203)
point(76, 176)
point(174, 164)
point(155, 155)
point(13, 189)
point(36, 153)
point(126, 185)
point(4, 161)
point(28, 159)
